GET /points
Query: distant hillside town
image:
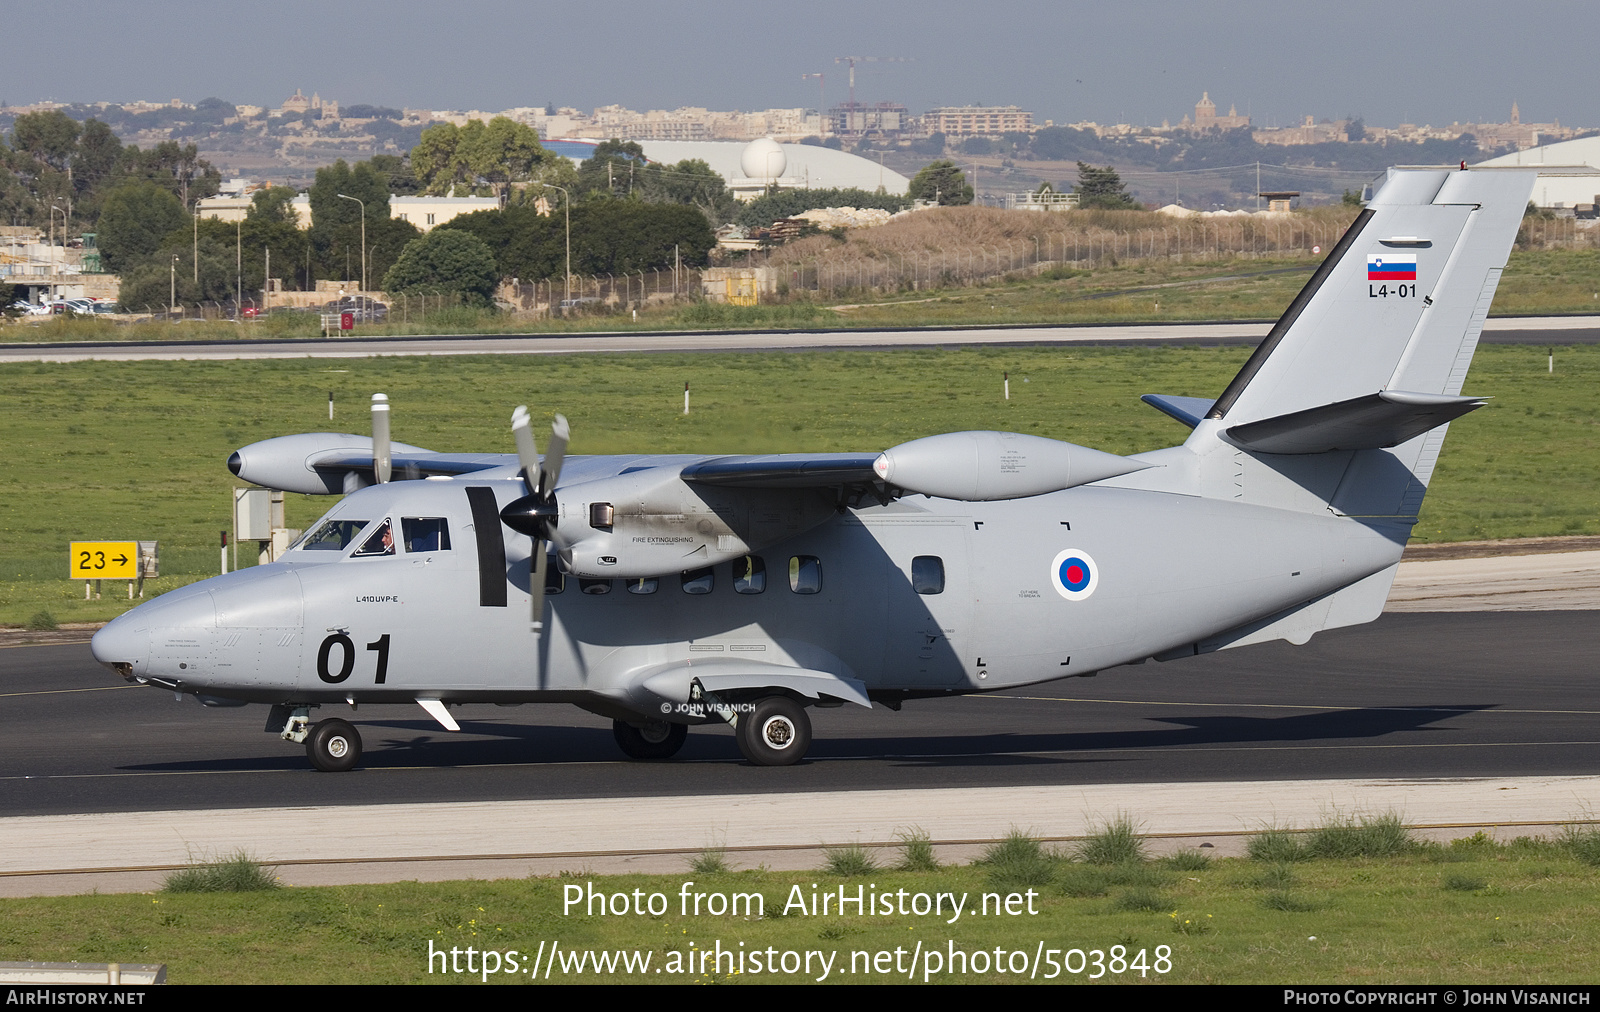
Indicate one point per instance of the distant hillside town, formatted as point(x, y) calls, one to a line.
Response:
point(301, 126)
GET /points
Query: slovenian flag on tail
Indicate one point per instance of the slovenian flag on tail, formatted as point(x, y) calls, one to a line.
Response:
point(1391, 267)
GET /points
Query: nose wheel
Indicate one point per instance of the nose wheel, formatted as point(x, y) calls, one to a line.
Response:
point(776, 732)
point(333, 746)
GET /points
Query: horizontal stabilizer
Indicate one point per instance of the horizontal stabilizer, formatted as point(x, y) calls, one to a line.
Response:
point(1386, 418)
point(1188, 410)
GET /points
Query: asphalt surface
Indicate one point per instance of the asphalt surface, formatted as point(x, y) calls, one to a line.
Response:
point(1535, 330)
point(1412, 695)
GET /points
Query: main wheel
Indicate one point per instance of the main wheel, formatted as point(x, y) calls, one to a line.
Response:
point(776, 733)
point(333, 746)
point(658, 739)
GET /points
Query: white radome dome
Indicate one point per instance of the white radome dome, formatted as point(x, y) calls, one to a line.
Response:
point(763, 159)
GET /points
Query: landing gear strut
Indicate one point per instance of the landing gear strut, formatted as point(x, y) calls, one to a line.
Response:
point(656, 740)
point(333, 746)
point(776, 733)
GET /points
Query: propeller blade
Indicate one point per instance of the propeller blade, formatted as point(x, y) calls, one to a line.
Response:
point(550, 472)
point(380, 438)
point(527, 452)
point(536, 570)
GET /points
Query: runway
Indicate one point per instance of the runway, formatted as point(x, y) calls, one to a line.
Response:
point(1455, 720)
point(1535, 330)
point(1412, 695)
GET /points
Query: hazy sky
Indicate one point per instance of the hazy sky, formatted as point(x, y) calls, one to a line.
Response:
point(1136, 61)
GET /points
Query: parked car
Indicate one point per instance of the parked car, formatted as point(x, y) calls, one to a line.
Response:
point(366, 310)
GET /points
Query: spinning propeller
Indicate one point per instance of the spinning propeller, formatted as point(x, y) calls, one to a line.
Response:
point(536, 514)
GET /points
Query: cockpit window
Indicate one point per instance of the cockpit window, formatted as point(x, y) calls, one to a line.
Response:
point(380, 542)
point(425, 534)
point(332, 536)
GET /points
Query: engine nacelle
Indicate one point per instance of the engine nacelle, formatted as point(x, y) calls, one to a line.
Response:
point(653, 523)
point(286, 462)
point(981, 466)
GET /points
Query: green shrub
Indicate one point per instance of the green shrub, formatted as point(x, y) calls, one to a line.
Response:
point(711, 861)
point(1369, 836)
point(43, 621)
point(1279, 876)
point(851, 861)
point(1277, 846)
point(237, 874)
point(1142, 901)
point(1464, 883)
point(916, 851)
point(1188, 860)
point(1583, 842)
point(1019, 862)
point(1115, 842)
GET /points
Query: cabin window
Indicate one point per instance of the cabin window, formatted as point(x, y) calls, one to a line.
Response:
point(555, 581)
point(750, 575)
point(425, 534)
point(595, 587)
point(698, 581)
point(927, 574)
point(332, 536)
point(805, 574)
point(379, 542)
point(644, 585)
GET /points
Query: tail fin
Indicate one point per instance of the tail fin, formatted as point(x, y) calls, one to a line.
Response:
point(1366, 366)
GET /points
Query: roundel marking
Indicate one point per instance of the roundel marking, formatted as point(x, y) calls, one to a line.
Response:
point(1074, 574)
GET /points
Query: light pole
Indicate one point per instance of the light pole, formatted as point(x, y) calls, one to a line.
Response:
point(197, 247)
point(363, 238)
point(566, 207)
point(238, 268)
point(172, 298)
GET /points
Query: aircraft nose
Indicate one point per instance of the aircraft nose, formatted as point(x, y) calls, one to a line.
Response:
point(123, 645)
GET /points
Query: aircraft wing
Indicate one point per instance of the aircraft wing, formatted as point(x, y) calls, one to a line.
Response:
point(786, 470)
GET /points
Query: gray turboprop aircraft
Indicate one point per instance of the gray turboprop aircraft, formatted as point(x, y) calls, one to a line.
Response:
point(664, 591)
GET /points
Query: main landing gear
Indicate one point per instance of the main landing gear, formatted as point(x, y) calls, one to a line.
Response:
point(776, 732)
point(658, 739)
point(333, 745)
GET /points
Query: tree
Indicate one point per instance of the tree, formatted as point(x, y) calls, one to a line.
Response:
point(607, 235)
point(445, 260)
point(273, 204)
point(691, 182)
point(49, 137)
point(402, 181)
point(501, 152)
point(942, 181)
point(134, 221)
point(1101, 189)
point(611, 170)
point(177, 167)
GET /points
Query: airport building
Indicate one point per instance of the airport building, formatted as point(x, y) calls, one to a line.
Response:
point(750, 169)
point(1569, 171)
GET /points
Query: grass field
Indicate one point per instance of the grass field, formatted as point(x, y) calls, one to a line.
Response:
point(1470, 912)
point(105, 451)
point(1230, 288)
